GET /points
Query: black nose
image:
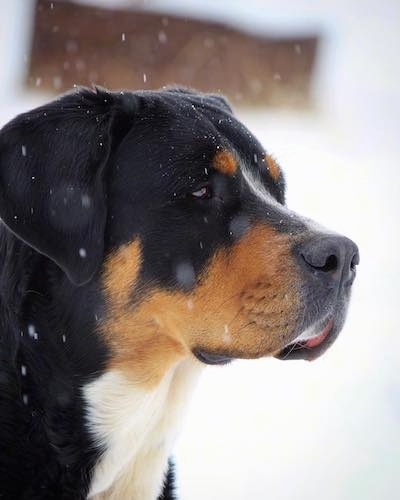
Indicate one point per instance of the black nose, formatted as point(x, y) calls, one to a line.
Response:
point(331, 258)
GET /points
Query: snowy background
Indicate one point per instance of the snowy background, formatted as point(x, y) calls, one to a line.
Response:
point(329, 429)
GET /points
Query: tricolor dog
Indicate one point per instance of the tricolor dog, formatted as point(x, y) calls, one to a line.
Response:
point(144, 235)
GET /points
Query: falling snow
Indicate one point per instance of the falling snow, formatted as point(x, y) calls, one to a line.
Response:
point(57, 82)
point(162, 37)
point(32, 332)
point(185, 275)
point(226, 337)
point(86, 202)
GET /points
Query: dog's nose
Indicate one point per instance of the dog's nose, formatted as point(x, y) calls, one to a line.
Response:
point(331, 258)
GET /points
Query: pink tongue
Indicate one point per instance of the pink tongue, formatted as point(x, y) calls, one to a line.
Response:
point(316, 341)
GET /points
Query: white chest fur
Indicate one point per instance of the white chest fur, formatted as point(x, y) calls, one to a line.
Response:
point(137, 428)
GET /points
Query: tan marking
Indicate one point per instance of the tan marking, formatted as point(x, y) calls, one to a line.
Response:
point(135, 341)
point(273, 167)
point(248, 295)
point(225, 162)
point(121, 270)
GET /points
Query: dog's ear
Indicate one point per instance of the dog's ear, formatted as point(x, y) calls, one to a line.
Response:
point(52, 165)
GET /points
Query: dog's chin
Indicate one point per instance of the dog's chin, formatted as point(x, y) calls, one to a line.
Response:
point(210, 358)
point(310, 345)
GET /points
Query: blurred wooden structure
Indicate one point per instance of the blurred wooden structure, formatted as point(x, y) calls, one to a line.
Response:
point(83, 45)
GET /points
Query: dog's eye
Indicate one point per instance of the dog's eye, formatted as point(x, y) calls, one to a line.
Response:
point(202, 194)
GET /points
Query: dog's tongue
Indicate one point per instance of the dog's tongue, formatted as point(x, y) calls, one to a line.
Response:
point(316, 341)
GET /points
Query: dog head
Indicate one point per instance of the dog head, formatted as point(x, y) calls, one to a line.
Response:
point(174, 208)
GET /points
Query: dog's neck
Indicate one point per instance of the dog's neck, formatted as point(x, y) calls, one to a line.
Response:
point(124, 432)
point(137, 429)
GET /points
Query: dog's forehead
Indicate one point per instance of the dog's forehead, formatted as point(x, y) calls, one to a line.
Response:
point(195, 117)
point(190, 127)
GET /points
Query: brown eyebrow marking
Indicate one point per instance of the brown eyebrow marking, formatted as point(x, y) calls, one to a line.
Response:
point(225, 162)
point(273, 167)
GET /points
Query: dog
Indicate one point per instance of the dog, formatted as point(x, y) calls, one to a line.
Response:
point(144, 235)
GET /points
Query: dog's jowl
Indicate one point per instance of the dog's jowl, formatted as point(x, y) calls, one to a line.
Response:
point(143, 236)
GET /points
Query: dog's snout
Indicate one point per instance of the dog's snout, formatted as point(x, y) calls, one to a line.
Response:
point(331, 258)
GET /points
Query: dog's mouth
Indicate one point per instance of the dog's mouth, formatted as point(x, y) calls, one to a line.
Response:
point(311, 345)
point(307, 346)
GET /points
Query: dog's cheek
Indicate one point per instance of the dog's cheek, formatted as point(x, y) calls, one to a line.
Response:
point(244, 304)
point(247, 302)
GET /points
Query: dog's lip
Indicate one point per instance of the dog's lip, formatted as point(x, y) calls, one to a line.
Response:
point(211, 358)
point(318, 339)
point(309, 348)
point(312, 347)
